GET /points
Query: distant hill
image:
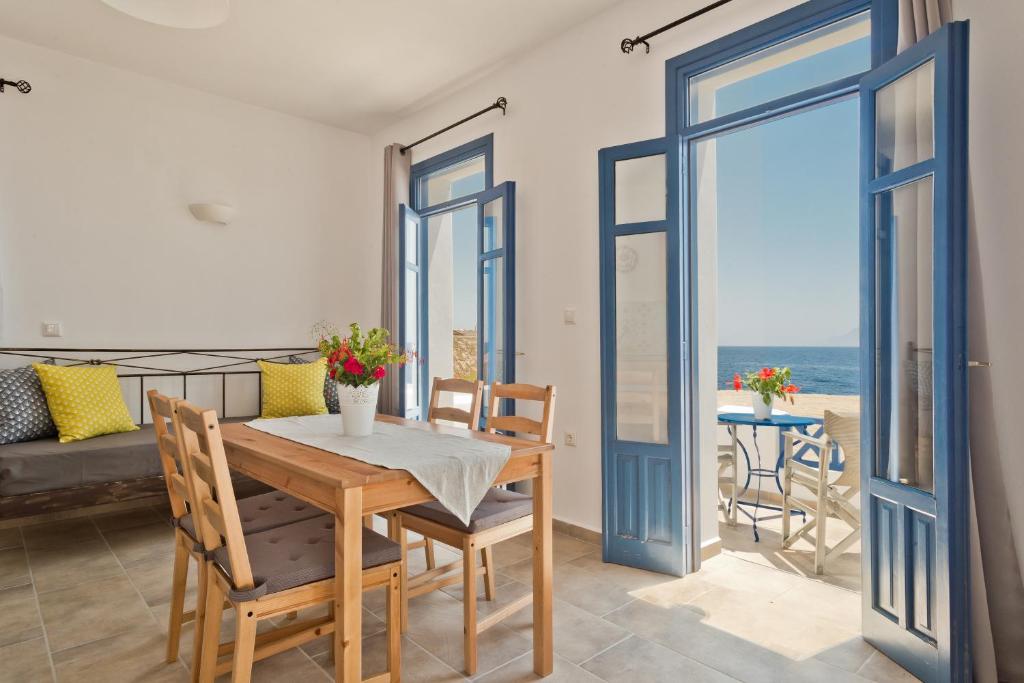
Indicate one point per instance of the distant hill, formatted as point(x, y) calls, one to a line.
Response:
point(851, 338)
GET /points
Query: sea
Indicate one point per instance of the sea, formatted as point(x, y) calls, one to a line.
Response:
point(816, 369)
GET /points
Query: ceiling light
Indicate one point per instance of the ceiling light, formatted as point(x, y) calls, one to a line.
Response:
point(175, 13)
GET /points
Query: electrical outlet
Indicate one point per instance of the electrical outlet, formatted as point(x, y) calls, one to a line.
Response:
point(52, 330)
point(569, 316)
point(570, 438)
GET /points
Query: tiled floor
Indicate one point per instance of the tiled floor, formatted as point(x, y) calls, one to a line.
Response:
point(86, 600)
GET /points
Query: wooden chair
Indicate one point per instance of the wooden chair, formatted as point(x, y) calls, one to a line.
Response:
point(728, 477)
point(269, 573)
point(836, 499)
point(258, 513)
point(436, 413)
point(501, 515)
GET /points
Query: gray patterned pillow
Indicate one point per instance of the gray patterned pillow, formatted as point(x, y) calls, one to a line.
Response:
point(24, 415)
point(330, 387)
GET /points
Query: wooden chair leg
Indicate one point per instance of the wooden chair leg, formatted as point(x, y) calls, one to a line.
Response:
point(179, 576)
point(428, 549)
point(394, 626)
point(488, 562)
point(403, 540)
point(200, 622)
point(330, 641)
point(819, 532)
point(245, 644)
point(469, 604)
point(211, 630)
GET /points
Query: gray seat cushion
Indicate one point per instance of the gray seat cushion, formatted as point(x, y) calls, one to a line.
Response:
point(263, 512)
point(48, 465)
point(498, 507)
point(303, 553)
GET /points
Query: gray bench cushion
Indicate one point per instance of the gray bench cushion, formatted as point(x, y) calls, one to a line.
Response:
point(48, 465)
point(303, 553)
point(263, 512)
point(498, 507)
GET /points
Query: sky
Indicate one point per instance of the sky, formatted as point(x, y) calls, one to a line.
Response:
point(788, 212)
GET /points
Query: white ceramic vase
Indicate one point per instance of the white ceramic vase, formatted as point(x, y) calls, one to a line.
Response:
point(762, 410)
point(358, 408)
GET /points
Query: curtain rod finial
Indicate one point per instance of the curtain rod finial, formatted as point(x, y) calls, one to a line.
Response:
point(501, 103)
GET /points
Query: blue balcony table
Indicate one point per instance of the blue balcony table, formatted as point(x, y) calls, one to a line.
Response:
point(780, 421)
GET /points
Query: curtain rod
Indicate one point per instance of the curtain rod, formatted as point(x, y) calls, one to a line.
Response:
point(628, 44)
point(499, 103)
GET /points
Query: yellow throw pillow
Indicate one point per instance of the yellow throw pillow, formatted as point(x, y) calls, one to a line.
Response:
point(293, 388)
point(84, 401)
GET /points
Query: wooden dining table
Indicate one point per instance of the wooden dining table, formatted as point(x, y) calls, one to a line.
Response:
point(350, 489)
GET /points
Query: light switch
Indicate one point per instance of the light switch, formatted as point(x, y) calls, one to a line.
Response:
point(569, 316)
point(52, 330)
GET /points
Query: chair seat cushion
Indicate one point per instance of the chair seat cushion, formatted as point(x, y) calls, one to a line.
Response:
point(264, 512)
point(498, 507)
point(303, 553)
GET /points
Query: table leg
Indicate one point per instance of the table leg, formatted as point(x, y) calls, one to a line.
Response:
point(543, 570)
point(348, 585)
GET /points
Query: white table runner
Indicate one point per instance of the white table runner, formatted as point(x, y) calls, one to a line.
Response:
point(457, 471)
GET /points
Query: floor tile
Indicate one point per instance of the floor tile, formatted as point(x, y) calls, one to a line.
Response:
point(10, 538)
point(626, 577)
point(521, 670)
point(291, 666)
point(578, 634)
point(564, 548)
point(145, 542)
point(418, 666)
point(878, 667)
point(25, 662)
point(578, 586)
point(135, 655)
point(13, 568)
point(849, 656)
point(637, 659)
point(20, 615)
point(113, 521)
point(56, 568)
point(60, 534)
point(152, 577)
point(90, 611)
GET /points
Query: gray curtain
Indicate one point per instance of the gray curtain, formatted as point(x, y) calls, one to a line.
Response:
point(997, 590)
point(396, 191)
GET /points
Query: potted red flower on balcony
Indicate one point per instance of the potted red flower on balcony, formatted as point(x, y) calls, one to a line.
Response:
point(767, 385)
point(358, 363)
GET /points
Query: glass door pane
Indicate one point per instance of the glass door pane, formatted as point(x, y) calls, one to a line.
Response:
point(641, 360)
point(410, 301)
point(496, 312)
point(904, 120)
point(903, 312)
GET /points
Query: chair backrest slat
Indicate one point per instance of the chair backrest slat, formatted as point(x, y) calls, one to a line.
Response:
point(845, 430)
point(217, 508)
point(162, 409)
point(470, 418)
point(516, 423)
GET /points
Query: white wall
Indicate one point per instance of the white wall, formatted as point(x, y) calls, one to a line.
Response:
point(97, 167)
point(567, 99)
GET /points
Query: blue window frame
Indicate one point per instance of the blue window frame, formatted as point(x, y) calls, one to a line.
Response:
point(461, 188)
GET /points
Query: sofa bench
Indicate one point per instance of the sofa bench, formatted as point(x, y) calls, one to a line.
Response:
point(46, 476)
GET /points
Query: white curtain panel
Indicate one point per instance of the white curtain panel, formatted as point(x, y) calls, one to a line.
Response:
point(920, 18)
point(396, 191)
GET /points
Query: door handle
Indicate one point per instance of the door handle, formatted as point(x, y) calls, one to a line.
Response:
point(979, 364)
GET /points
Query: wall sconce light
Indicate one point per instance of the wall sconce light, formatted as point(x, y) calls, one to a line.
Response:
point(213, 213)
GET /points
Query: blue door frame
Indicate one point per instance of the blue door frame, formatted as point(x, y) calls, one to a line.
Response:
point(645, 524)
point(915, 561)
point(489, 360)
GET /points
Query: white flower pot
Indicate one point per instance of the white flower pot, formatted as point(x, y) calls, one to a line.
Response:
point(358, 408)
point(762, 410)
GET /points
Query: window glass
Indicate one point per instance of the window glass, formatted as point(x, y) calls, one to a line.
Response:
point(640, 189)
point(815, 58)
point(905, 120)
point(452, 182)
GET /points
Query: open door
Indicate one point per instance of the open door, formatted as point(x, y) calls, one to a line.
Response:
point(496, 282)
point(914, 357)
point(641, 355)
point(412, 292)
